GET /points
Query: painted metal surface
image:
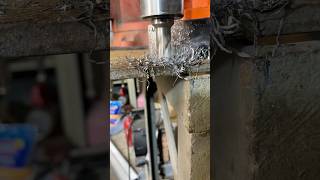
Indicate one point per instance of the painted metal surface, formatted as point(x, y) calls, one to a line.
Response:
point(196, 9)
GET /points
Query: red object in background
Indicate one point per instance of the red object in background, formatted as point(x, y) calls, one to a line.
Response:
point(122, 91)
point(127, 125)
point(129, 30)
point(125, 10)
point(38, 93)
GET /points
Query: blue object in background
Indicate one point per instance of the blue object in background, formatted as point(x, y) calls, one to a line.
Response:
point(16, 144)
point(116, 124)
point(115, 107)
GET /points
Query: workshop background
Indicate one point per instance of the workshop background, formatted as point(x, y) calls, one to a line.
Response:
point(53, 118)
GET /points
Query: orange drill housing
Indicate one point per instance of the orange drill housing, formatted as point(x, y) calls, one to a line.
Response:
point(196, 9)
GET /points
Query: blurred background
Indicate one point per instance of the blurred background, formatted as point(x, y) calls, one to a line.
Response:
point(53, 118)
